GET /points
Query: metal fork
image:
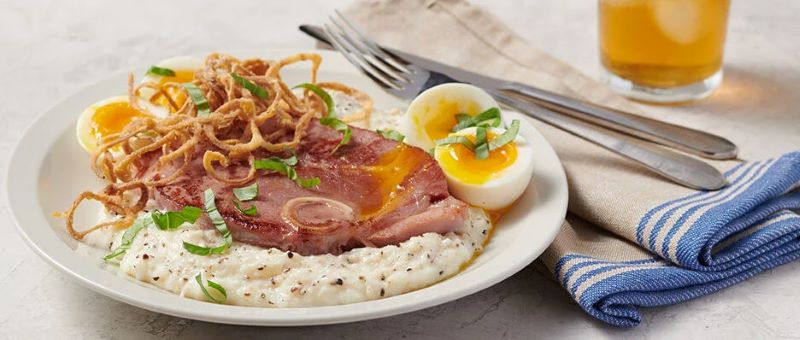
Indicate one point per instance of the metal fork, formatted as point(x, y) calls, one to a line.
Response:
point(406, 80)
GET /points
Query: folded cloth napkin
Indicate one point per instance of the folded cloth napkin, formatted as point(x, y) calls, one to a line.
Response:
point(631, 238)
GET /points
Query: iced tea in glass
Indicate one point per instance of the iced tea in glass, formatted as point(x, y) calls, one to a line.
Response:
point(663, 50)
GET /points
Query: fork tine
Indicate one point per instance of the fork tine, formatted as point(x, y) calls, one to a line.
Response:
point(358, 60)
point(373, 46)
point(368, 54)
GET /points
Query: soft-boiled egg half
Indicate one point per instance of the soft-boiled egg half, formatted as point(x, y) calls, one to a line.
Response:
point(492, 181)
point(103, 119)
point(111, 115)
point(183, 69)
point(432, 115)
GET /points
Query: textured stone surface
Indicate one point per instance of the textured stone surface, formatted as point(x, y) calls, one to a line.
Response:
point(53, 48)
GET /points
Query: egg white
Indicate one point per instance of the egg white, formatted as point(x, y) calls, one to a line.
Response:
point(179, 63)
point(423, 108)
point(502, 190)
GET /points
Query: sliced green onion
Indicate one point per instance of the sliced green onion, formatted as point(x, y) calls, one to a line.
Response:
point(173, 219)
point(128, 236)
point(490, 114)
point(246, 193)
point(322, 94)
point(481, 147)
point(214, 285)
point(286, 167)
point(198, 98)
point(161, 71)
point(340, 126)
point(218, 222)
point(506, 137)
point(457, 140)
point(251, 211)
point(256, 90)
point(392, 134)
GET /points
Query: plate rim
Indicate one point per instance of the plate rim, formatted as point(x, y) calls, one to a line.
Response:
point(110, 286)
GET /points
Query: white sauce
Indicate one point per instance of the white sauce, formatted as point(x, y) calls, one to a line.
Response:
point(256, 276)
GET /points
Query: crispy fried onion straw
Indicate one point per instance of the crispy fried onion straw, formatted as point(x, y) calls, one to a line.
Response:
point(152, 152)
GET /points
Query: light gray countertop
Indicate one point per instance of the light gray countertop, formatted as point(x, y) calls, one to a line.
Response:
point(51, 49)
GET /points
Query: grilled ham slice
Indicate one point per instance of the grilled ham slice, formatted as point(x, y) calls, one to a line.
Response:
point(373, 192)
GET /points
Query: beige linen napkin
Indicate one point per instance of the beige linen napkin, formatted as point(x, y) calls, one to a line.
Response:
point(631, 238)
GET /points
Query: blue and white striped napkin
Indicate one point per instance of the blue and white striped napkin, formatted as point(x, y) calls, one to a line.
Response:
point(698, 243)
point(631, 239)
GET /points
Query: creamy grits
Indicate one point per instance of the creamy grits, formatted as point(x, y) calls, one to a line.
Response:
point(255, 276)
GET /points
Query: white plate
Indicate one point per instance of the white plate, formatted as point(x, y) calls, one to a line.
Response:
point(48, 169)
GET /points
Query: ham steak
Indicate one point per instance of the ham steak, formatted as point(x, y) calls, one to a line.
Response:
point(373, 192)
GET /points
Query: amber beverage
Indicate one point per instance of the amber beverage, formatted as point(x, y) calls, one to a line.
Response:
point(663, 50)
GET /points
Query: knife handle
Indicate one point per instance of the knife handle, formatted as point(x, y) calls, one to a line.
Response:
point(679, 168)
point(682, 138)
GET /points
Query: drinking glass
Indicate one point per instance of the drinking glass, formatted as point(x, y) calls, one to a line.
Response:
point(662, 51)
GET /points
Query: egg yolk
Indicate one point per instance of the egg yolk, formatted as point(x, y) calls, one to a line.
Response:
point(390, 171)
point(443, 116)
point(460, 162)
point(178, 96)
point(112, 118)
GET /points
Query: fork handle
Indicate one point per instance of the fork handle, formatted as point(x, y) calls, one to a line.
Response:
point(682, 138)
point(681, 169)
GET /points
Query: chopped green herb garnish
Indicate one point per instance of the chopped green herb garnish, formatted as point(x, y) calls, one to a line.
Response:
point(246, 193)
point(340, 126)
point(218, 222)
point(215, 286)
point(286, 167)
point(161, 71)
point(308, 182)
point(198, 98)
point(506, 137)
point(457, 140)
point(329, 118)
point(490, 117)
point(251, 211)
point(460, 117)
point(326, 98)
point(173, 219)
point(481, 147)
point(392, 134)
point(128, 236)
point(256, 90)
